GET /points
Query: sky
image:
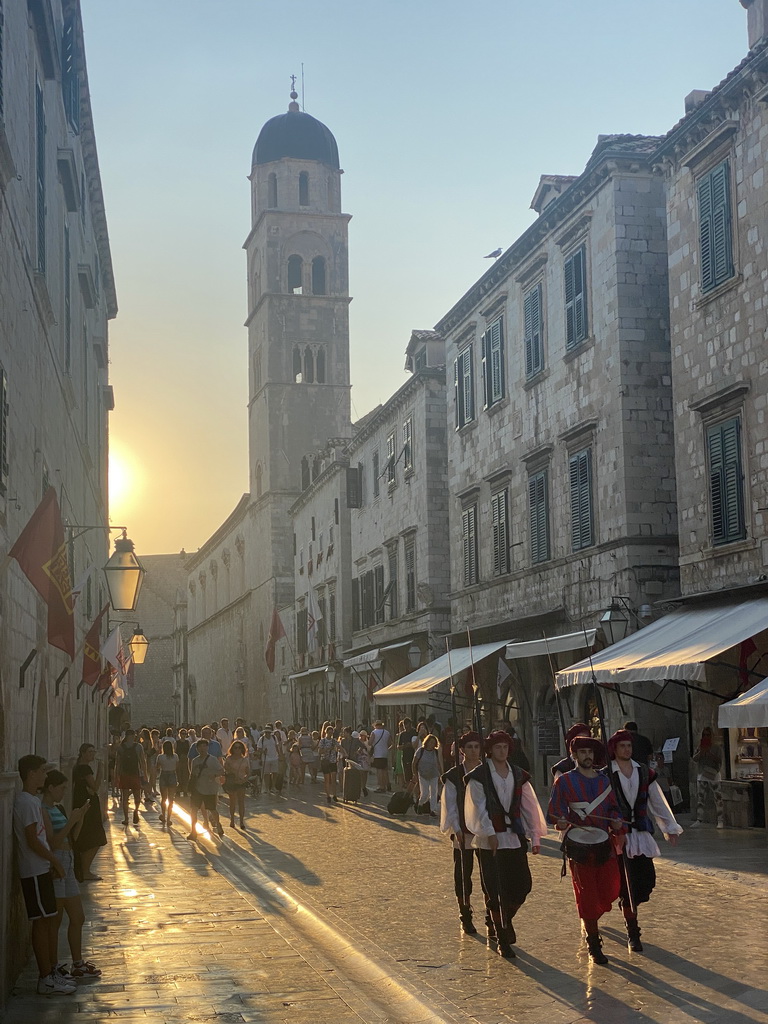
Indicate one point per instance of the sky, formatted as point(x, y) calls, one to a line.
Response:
point(446, 113)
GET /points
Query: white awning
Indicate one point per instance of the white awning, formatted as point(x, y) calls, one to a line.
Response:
point(309, 672)
point(551, 645)
point(748, 710)
point(372, 658)
point(676, 647)
point(416, 687)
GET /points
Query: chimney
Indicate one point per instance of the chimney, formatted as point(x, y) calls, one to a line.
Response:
point(757, 20)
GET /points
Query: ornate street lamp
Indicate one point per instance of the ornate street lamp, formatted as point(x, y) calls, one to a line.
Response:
point(138, 645)
point(124, 574)
point(615, 622)
point(414, 656)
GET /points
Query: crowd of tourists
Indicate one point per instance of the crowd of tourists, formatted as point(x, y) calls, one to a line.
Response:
point(604, 800)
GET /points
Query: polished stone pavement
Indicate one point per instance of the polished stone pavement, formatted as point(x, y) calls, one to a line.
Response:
point(341, 913)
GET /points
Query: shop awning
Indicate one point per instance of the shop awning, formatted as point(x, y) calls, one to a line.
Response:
point(550, 645)
point(416, 687)
point(374, 657)
point(676, 647)
point(748, 710)
point(309, 672)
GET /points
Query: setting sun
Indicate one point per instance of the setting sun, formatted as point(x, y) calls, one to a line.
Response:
point(120, 479)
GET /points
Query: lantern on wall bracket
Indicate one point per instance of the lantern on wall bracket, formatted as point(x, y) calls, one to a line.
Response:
point(138, 645)
point(414, 656)
point(615, 622)
point(124, 574)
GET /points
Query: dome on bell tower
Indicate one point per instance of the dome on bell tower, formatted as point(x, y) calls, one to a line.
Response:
point(298, 136)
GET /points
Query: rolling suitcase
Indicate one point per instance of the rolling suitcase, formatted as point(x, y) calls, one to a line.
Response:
point(400, 802)
point(351, 783)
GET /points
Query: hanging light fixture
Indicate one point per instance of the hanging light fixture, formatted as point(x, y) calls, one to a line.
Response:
point(138, 645)
point(124, 574)
point(615, 622)
point(414, 656)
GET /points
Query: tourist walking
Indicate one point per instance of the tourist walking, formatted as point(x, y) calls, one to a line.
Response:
point(380, 743)
point(182, 768)
point(428, 767)
point(130, 769)
point(168, 780)
point(328, 751)
point(709, 761)
point(270, 748)
point(205, 778)
point(91, 836)
point(237, 771)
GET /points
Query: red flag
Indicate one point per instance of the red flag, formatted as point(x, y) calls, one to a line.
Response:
point(276, 632)
point(42, 557)
point(92, 650)
point(105, 678)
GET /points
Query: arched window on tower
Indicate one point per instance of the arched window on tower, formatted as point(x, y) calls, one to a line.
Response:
point(258, 476)
point(298, 368)
point(272, 191)
point(320, 365)
point(303, 189)
point(309, 366)
point(318, 275)
point(295, 270)
point(305, 481)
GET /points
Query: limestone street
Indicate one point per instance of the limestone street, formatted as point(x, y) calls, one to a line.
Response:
point(343, 914)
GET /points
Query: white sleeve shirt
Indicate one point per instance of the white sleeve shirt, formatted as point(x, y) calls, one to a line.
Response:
point(642, 844)
point(479, 821)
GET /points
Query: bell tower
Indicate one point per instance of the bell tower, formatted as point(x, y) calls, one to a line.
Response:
point(298, 331)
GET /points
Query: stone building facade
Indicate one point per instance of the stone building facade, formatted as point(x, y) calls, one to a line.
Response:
point(57, 294)
point(560, 441)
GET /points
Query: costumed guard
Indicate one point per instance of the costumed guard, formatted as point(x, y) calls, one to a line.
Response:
point(500, 809)
point(452, 823)
point(568, 764)
point(584, 806)
point(637, 792)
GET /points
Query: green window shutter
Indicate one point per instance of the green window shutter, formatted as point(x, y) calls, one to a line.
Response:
point(500, 528)
point(534, 354)
point(485, 360)
point(580, 470)
point(378, 576)
point(726, 482)
point(496, 346)
point(538, 513)
point(468, 387)
point(715, 247)
point(575, 298)
point(356, 604)
point(457, 393)
point(3, 431)
point(469, 542)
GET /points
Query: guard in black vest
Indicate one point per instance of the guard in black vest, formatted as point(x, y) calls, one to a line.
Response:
point(500, 810)
point(452, 823)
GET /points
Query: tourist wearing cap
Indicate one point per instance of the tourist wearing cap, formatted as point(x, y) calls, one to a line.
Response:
point(584, 806)
point(501, 810)
point(638, 793)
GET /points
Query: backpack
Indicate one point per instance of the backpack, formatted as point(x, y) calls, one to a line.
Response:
point(129, 760)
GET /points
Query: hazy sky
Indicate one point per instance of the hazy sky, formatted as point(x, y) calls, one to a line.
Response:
point(445, 113)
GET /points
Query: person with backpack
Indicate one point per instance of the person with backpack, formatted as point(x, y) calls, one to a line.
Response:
point(380, 742)
point(130, 768)
point(428, 767)
point(204, 780)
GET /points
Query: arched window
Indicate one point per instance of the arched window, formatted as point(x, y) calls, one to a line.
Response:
point(309, 366)
point(320, 365)
point(318, 275)
point(303, 189)
point(305, 481)
point(297, 365)
point(295, 270)
point(272, 191)
point(258, 475)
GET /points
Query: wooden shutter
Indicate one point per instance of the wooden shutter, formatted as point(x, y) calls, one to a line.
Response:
point(378, 577)
point(534, 360)
point(469, 539)
point(495, 361)
point(715, 227)
point(457, 394)
point(393, 604)
point(575, 298)
point(408, 444)
point(376, 474)
point(726, 482)
point(353, 488)
point(500, 527)
point(580, 469)
point(538, 515)
point(410, 574)
point(356, 604)
point(485, 359)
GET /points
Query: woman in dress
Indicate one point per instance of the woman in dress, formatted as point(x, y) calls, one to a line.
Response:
point(237, 771)
point(85, 790)
point(167, 766)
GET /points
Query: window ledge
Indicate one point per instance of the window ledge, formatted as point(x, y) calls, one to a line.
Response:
point(497, 406)
point(713, 399)
point(716, 293)
point(577, 350)
point(536, 379)
point(733, 547)
point(466, 428)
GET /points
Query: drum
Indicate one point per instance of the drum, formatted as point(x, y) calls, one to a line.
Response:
point(587, 845)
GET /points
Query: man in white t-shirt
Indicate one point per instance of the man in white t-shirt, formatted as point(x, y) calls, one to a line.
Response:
point(37, 867)
point(225, 736)
point(380, 742)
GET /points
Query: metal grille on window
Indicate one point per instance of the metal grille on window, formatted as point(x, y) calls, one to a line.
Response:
point(726, 482)
point(575, 298)
point(538, 511)
point(715, 227)
point(580, 468)
point(493, 362)
point(469, 545)
point(534, 349)
point(500, 524)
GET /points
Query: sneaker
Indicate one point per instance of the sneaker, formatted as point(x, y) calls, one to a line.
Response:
point(55, 985)
point(696, 824)
point(721, 824)
point(63, 971)
point(85, 970)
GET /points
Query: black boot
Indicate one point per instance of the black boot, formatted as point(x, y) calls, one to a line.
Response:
point(465, 915)
point(490, 940)
point(596, 955)
point(505, 945)
point(633, 935)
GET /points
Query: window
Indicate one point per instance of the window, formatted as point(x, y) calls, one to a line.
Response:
point(318, 275)
point(500, 525)
point(354, 489)
point(538, 516)
point(313, 529)
point(40, 173)
point(534, 345)
point(376, 473)
point(305, 474)
point(295, 273)
point(322, 622)
point(391, 445)
point(332, 615)
point(469, 545)
point(272, 191)
point(493, 362)
point(301, 631)
point(367, 599)
point(298, 366)
point(715, 227)
point(580, 469)
point(379, 597)
point(70, 79)
point(4, 442)
point(408, 445)
point(392, 564)
point(309, 366)
point(361, 478)
point(355, 605)
point(576, 298)
point(303, 189)
point(464, 388)
point(67, 302)
point(726, 482)
point(320, 365)
point(409, 551)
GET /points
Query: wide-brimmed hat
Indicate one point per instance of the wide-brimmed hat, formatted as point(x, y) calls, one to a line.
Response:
point(597, 748)
point(621, 736)
point(576, 730)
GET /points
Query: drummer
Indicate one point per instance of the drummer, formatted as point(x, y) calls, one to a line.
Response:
point(585, 798)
